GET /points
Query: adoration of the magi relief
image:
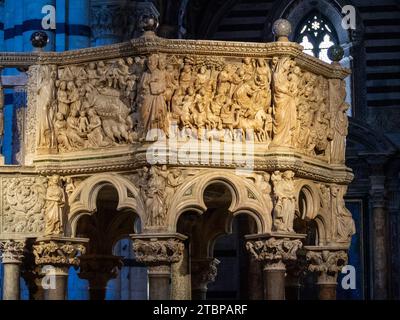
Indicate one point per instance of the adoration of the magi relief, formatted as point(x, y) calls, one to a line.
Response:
point(272, 101)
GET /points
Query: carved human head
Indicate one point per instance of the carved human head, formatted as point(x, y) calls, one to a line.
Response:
point(71, 85)
point(152, 62)
point(101, 64)
point(288, 174)
point(54, 180)
point(59, 116)
point(266, 176)
point(247, 60)
point(92, 66)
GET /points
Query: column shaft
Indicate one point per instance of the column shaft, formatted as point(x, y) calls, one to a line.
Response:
point(11, 285)
point(274, 284)
point(159, 282)
point(380, 288)
point(59, 292)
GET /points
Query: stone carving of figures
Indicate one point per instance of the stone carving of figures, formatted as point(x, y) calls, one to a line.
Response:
point(69, 186)
point(243, 97)
point(202, 77)
point(285, 201)
point(185, 79)
point(248, 69)
point(263, 73)
point(74, 138)
point(54, 207)
point(172, 84)
point(62, 97)
point(343, 223)
point(224, 84)
point(155, 195)
point(340, 130)
point(154, 108)
point(174, 179)
point(262, 182)
point(60, 127)
point(284, 109)
point(83, 122)
point(46, 100)
point(96, 134)
point(101, 71)
point(92, 73)
point(118, 75)
point(73, 97)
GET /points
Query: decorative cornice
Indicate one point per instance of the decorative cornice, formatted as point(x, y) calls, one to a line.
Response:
point(146, 45)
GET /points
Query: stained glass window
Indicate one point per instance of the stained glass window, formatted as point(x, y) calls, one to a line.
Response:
point(316, 35)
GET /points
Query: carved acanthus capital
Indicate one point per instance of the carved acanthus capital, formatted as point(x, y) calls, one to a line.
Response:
point(203, 272)
point(326, 263)
point(156, 251)
point(274, 252)
point(62, 252)
point(12, 251)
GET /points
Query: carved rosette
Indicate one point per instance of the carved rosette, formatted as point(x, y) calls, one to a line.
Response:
point(12, 251)
point(327, 264)
point(203, 272)
point(58, 253)
point(273, 252)
point(155, 252)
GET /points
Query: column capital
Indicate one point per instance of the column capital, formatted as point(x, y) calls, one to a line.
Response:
point(203, 272)
point(327, 262)
point(158, 249)
point(59, 251)
point(12, 251)
point(274, 249)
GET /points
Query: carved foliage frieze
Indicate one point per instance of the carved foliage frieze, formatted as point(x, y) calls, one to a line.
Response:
point(23, 201)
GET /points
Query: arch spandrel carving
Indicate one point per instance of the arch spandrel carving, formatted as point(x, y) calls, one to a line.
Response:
point(238, 186)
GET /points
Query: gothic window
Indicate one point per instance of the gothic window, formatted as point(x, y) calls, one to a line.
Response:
point(316, 34)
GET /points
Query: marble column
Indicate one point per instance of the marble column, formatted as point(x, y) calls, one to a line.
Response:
point(98, 270)
point(181, 278)
point(327, 262)
point(12, 253)
point(158, 252)
point(274, 251)
point(204, 271)
point(55, 255)
point(380, 236)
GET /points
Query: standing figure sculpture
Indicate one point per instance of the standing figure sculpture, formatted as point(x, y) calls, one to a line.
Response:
point(343, 223)
point(46, 100)
point(153, 85)
point(341, 124)
point(285, 201)
point(54, 207)
point(285, 86)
